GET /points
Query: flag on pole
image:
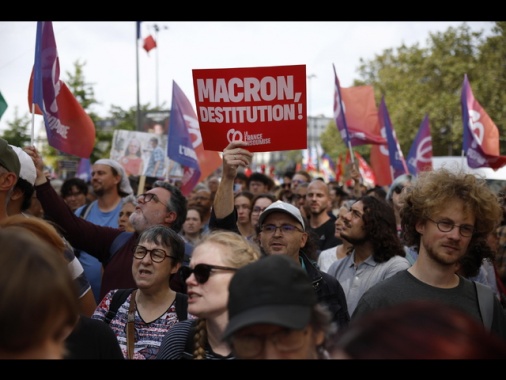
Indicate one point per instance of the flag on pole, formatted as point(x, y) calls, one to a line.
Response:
point(356, 115)
point(480, 135)
point(185, 143)
point(420, 154)
point(68, 127)
point(397, 163)
point(3, 105)
point(149, 43)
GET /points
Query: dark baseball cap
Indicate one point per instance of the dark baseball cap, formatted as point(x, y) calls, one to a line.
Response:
point(9, 158)
point(273, 290)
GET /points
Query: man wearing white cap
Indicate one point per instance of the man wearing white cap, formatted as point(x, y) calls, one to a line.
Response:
point(21, 197)
point(10, 166)
point(110, 185)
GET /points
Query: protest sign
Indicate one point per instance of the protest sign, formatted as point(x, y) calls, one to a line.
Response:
point(265, 106)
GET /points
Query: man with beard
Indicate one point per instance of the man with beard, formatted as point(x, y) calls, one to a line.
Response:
point(369, 226)
point(163, 204)
point(445, 214)
point(110, 185)
point(321, 223)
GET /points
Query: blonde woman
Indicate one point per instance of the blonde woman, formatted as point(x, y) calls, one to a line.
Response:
point(214, 261)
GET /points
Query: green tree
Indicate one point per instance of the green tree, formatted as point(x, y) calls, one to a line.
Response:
point(19, 131)
point(415, 81)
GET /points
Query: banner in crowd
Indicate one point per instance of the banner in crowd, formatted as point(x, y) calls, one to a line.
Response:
point(180, 147)
point(3, 105)
point(420, 154)
point(264, 106)
point(356, 115)
point(480, 135)
point(397, 162)
point(68, 127)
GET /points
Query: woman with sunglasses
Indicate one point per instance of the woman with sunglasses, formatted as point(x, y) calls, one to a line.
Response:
point(152, 305)
point(213, 264)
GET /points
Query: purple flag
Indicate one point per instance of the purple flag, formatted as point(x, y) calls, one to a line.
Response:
point(84, 169)
point(68, 127)
point(180, 146)
point(339, 111)
point(397, 162)
point(420, 155)
point(474, 118)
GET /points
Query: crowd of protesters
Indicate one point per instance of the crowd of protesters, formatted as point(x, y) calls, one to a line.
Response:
point(250, 266)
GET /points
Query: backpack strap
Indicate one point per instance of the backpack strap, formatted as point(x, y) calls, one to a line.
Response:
point(486, 302)
point(181, 306)
point(86, 210)
point(118, 242)
point(117, 300)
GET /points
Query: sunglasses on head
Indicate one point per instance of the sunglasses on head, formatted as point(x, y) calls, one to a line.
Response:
point(201, 272)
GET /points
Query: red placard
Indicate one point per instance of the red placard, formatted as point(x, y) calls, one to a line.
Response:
point(265, 106)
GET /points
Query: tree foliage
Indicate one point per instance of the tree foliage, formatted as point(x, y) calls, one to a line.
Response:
point(416, 81)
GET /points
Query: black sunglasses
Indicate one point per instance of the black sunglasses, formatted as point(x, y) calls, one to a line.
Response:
point(201, 272)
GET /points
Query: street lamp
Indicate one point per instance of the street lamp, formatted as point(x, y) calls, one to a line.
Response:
point(312, 132)
point(157, 29)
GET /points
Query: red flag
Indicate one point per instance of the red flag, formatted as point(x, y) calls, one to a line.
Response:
point(149, 43)
point(380, 164)
point(68, 127)
point(361, 115)
point(339, 169)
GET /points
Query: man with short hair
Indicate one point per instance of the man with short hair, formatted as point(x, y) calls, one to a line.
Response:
point(445, 214)
point(162, 204)
point(321, 224)
point(259, 183)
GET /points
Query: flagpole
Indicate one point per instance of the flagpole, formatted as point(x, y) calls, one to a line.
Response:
point(138, 34)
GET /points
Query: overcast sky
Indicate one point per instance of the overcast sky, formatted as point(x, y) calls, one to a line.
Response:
point(109, 51)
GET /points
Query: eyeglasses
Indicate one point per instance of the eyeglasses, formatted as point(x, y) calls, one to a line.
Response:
point(148, 197)
point(285, 340)
point(258, 210)
point(298, 196)
point(286, 185)
point(398, 189)
point(298, 181)
point(465, 230)
point(201, 272)
point(157, 254)
point(284, 228)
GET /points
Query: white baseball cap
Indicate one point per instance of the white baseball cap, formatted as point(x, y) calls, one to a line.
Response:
point(27, 171)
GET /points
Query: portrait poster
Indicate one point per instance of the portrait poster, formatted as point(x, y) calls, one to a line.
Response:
point(134, 151)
